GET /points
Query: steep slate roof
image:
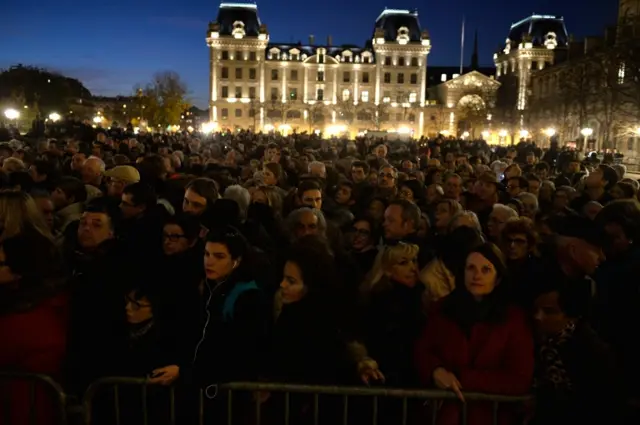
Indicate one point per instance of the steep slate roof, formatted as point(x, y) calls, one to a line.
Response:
point(228, 13)
point(311, 50)
point(537, 27)
point(390, 20)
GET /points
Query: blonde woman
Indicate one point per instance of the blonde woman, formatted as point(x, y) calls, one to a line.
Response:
point(19, 213)
point(269, 195)
point(392, 317)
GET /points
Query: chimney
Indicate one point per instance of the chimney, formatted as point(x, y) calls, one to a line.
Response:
point(329, 41)
point(312, 40)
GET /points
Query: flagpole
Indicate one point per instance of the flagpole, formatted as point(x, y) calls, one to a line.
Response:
point(462, 46)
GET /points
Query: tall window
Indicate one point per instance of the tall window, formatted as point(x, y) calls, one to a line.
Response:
point(400, 78)
point(225, 55)
point(238, 92)
point(224, 113)
point(413, 97)
point(294, 75)
point(346, 76)
point(365, 96)
point(293, 93)
point(320, 58)
point(224, 93)
point(238, 113)
point(387, 61)
point(414, 78)
point(225, 72)
point(274, 93)
point(414, 61)
point(238, 73)
point(252, 92)
point(239, 56)
point(400, 61)
point(387, 77)
point(252, 74)
point(320, 75)
point(365, 77)
point(252, 56)
point(345, 95)
point(320, 94)
point(274, 75)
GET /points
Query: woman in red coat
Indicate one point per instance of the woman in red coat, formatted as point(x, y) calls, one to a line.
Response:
point(475, 341)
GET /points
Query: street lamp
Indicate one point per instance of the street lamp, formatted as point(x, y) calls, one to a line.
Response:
point(550, 132)
point(485, 134)
point(97, 119)
point(12, 114)
point(586, 133)
point(54, 117)
point(465, 134)
point(524, 134)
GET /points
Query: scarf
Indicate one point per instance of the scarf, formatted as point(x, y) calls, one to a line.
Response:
point(139, 330)
point(553, 373)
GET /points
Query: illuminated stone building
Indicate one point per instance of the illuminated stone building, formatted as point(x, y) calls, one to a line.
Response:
point(316, 86)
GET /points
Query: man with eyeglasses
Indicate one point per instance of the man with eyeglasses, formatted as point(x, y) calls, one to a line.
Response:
point(387, 182)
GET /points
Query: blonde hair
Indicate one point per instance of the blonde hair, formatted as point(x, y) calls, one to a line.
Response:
point(18, 211)
point(13, 164)
point(274, 199)
point(385, 260)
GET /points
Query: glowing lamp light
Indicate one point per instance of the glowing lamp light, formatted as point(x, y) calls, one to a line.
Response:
point(485, 134)
point(54, 117)
point(190, 129)
point(268, 128)
point(502, 133)
point(136, 130)
point(586, 132)
point(283, 128)
point(97, 119)
point(465, 134)
point(335, 129)
point(550, 132)
point(445, 132)
point(208, 127)
point(12, 114)
point(405, 130)
point(524, 134)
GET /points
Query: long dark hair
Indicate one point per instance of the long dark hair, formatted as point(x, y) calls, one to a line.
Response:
point(461, 307)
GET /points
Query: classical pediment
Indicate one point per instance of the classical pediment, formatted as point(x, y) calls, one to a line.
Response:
point(472, 79)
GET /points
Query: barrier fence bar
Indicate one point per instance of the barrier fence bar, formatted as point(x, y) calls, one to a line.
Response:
point(405, 401)
point(54, 398)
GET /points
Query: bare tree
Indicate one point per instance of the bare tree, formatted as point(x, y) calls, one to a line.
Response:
point(377, 114)
point(316, 112)
point(346, 111)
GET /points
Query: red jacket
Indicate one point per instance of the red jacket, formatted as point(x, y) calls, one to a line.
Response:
point(497, 358)
point(33, 341)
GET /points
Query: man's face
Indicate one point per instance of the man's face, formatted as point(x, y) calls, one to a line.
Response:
point(534, 187)
point(312, 198)
point(394, 227)
point(193, 203)
point(387, 178)
point(94, 229)
point(513, 187)
point(59, 198)
point(307, 225)
point(594, 180)
point(485, 190)
point(343, 196)
point(47, 209)
point(115, 187)
point(129, 208)
point(381, 151)
point(453, 188)
point(357, 174)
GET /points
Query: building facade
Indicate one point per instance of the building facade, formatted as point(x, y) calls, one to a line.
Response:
point(261, 85)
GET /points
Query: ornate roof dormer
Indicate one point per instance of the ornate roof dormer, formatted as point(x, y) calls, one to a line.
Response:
point(403, 35)
point(238, 29)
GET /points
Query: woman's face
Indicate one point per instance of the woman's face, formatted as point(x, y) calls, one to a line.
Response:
point(269, 178)
point(292, 285)
point(259, 197)
point(138, 309)
point(480, 275)
point(443, 216)
point(405, 271)
point(218, 263)
point(549, 318)
point(618, 243)
point(173, 240)
point(406, 193)
point(516, 246)
point(376, 209)
point(361, 236)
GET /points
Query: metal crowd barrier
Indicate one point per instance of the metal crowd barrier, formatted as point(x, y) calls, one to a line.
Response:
point(343, 396)
point(44, 397)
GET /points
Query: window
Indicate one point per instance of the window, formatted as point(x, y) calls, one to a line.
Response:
point(365, 77)
point(387, 61)
point(414, 78)
point(400, 97)
point(346, 76)
point(252, 92)
point(224, 92)
point(238, 113)
point(225, 55)
point(400, 78)
point(386, 98)
point(320, 94)
point(252, 74)
point(413, 97)
point(387, 77)
point(398, 117)
point(414, 61)
point(400, 61)
point(252, 56)
point(320, 58)
point(238, 92)
point(295, 115)
point(239, 56)
point(320, 75)
point(345, 95)
point(274, 93)
point(365, 96)
point(274, 75)
point(252, 112)
point(443, 77)
point(294, 57)
point(225, 72)
point(455, 75)
point(238, 73)
point(225, 113)
point(293, 94)
point(294, 75)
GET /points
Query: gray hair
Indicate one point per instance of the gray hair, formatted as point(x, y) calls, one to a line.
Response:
point(319, 164)
point(510, 212)
point(294, 218)
point(466, 213)
point(241, 196)
point(99, 161)
point(529, 197)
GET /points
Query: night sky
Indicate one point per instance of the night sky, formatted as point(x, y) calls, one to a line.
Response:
point(111, 46)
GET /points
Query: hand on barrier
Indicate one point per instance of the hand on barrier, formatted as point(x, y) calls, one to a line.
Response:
point(165, 375)
point(446, 380)
point(369, 371)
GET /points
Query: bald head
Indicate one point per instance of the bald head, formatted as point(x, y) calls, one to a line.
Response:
point(92, 171)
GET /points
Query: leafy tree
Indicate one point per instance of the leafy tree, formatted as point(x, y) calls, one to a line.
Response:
point(163, 99)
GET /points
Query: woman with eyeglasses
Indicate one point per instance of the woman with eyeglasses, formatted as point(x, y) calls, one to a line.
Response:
point(364, 236)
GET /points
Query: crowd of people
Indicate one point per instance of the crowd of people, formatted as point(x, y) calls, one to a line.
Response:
point(436, 263)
